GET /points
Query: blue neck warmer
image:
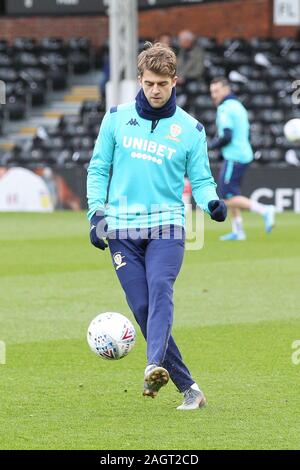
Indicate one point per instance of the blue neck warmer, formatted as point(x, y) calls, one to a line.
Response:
point(146, 111)
point(231, 96)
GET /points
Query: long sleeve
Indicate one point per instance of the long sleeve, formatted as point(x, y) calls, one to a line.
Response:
point(99, 167)
point(199, 173)
point(220, 142)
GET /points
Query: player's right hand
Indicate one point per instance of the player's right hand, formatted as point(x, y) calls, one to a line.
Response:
point(98, 230)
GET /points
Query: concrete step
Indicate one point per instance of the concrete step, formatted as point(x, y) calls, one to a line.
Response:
point(28, 131)
point(9, 145)
point(82, 93)
point(64, 105)
point(80, 98)
point(79, 90)
point(57, 113)
point(42, 121)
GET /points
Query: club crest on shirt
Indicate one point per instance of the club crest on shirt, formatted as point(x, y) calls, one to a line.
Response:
point(118, 260)
point(175, 131)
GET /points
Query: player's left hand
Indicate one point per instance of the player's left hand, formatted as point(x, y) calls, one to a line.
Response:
point(98, 230)
point(218, 210)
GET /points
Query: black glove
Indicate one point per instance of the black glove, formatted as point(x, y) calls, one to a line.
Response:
point(218, 210)
point(98, 230)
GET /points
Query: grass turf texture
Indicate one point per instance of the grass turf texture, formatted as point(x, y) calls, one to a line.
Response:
point(236, 316)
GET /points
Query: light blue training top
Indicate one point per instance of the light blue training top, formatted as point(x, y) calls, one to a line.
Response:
point(231, 114)
point(148, 168)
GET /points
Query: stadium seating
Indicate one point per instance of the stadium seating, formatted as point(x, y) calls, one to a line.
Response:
point(266, 70)
point(30, 69)
point(70, 143)
point(262, 72)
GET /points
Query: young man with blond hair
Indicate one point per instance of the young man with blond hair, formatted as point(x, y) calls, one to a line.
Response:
point(148, 146)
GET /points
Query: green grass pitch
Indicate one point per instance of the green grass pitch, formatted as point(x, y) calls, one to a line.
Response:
point(237, 313)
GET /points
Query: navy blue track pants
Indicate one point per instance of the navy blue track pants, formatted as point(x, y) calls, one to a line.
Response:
point(147, 269)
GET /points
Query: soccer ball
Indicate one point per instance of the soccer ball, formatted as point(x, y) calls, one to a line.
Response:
point(292, 130)
point(111, 335)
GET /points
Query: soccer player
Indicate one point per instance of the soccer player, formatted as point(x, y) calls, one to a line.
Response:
point(147, 146)
point(233, 140)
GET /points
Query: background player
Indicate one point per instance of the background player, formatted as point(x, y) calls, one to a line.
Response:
point(233, 139)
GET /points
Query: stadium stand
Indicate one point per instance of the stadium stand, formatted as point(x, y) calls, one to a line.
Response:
point(262, 72)
point(30, 69)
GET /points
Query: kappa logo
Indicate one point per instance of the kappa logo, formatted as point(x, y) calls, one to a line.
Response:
point(175, 131)
point(118, 259)
point(132, 122)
